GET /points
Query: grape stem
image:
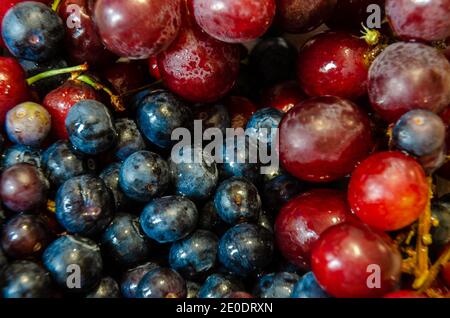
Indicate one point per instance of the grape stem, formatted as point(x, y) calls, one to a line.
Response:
point(434, 270)
point(51, 206)
point(79, 68)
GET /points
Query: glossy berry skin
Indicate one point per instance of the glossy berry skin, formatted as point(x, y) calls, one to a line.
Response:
point(129, 138)
point(169, 219)
point(341, 257)
point(334, 63)
point(159, 114)
point(84, 205)
point(107, 288)
point(423, 21)
point(279, 191)
point(388, 191)
point(419, 132)
point(276, 285)
point(74, 250)
point(143, 176)
point(198, 67)
point(110, 176)
point(234, 20)
point(134, 35)
point(237, 200)
point(263, 124)
point(25, 236)
point(303, 219)
point(13, 87)
point(61, 163)
point(212, 116)
point(132, 277)
point(25, 279)
point(23, 188)
point(298, 16)
point(124, 242)
point(283, 96)
point(394, 89)
point(162, 283)
point(307, 287)
point(195, 178)
point(81, 40)
point(28, 124)
point(246, 249)
point(59, 101)
point(219, 286)
point(32, 31)
point(194, 255)
point(323, 139)
point(404, 294)
point(90, 127)
point(153, 68)
point(21, 154)
point(209, 219)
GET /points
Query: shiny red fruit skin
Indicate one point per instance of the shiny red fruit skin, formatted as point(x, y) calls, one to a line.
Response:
point(404, 294)
point(240, 110)
point(388, 191)
point(198, 67)
point(300, 16)
point(126, 76)
point(323, 139)
point(137, 29)
point(303, 219)
point(283, 96)
point(153, 67)
point(334, 63)
point(343, 257)
point(234, 21)
point(59, 101)
point(82, 42)
point(13, 87)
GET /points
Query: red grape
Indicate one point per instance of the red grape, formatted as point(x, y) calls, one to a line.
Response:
point(283, 96)
point(153, 67)
point(408, 76)
point(323, 139)
point(240, 110)
point(234, 21)
point(346, 256)
point(427, 20)
point(137, 29)
point(388, 191)
point(334, 63)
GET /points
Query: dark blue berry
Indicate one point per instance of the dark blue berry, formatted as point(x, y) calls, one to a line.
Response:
point(263, 124)
point(110, 176)
point(219, 286)
point(21, 154)
point(213, 116)
point(210, 220)
point(107, 288)
point(132, 278)
point(129, 138)
point(276, 285)
point(193, 289)
point(162, 283)
point(307, 287)
point(279, 191)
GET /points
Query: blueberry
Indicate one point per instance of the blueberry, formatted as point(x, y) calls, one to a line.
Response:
point(266, 221)
point(307, 287)
point(193, 289)
point(144, 175)
point(110, 176)
point(90, 127)
point(263, 124)
point(124, 242)
point(196, 176)
point(279, 191)
point(162, 283)
point(84, 205)
point(74, 262)
point(21, 154)
point(194, 255)
point(132, 277)
point(129, 138)
point(237, 200)
point(213, 116)
point(210, 220)
point(25, 279)
point(33, 31)
point(28, 124)
point(159, 114)
point(419, 132)
point(219, 286)
point(107, 288)
point(136, 100)
point(169, 219)
point(246, 249)
point(441, 211)
point(61, 163)
point(276, 285)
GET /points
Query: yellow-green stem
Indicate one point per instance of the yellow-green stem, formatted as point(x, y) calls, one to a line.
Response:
point(46, 74)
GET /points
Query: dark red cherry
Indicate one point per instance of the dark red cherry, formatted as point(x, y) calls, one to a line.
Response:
point(334, 63)
point(240, 110)
point(388, 191)
point(323, 139)
point(13, 87)
point(404, 294)
point(137, 29)
point(82, 42)
point(153, 67)
point(303, 219)
point(59, 101)
point(126, 76)
point(198, 67)
point(283, 96)
point(351, 260)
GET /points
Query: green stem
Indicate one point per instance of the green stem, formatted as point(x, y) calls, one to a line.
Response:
point(55, 5)
point(38, 77)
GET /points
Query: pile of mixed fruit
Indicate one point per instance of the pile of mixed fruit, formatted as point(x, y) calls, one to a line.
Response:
point(93, 203)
